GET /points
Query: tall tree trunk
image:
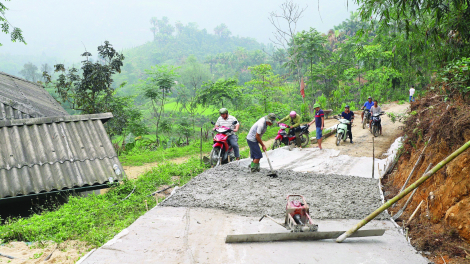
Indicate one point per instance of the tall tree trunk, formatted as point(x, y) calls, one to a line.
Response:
point(162, 109)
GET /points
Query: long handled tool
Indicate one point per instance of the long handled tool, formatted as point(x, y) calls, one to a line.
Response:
point(273, 173)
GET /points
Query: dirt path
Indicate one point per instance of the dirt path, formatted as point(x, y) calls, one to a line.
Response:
point(66, 252)
point(133, 172)
point(362, 138)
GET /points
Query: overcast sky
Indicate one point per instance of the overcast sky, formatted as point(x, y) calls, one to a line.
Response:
point(58, 28)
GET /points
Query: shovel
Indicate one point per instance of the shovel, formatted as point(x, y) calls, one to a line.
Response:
point(273, 174)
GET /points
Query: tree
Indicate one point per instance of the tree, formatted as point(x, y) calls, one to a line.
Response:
point(153, 29)
point(92, 91)
point(157, 88)
point(285, 24)
point(214, 93)
point(30, 72)
point(265, 83)
point(15, 33)
point(222, 31)
point(193, 75)
point(127, 118)
point(311, 47)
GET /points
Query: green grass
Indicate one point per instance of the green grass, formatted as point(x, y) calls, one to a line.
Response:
point(139, 156)
point(95, 219)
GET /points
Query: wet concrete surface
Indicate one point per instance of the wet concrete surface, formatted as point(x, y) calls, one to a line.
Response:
point(236, 190)
point(327, 161)
point(184, 235)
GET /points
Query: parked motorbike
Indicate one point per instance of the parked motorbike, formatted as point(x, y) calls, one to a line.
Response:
point(366, 118)
point(283, 138)
point(342, 130)
point(376, 124)
point(222, 152)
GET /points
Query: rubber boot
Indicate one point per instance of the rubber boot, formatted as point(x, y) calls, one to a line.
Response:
point(253, 167)
point(257, 167)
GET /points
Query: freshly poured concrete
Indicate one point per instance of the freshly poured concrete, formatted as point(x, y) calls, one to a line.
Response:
point(236, 190)
point(326, 161)
point(197, 235)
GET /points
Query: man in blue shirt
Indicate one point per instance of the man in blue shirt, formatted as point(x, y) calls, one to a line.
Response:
point(348, 115)
point(319, 123)
point(367, 105)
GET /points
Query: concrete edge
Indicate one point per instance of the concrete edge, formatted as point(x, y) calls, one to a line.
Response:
point(86, 256)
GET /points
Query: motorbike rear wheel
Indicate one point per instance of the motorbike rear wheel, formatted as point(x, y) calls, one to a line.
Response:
point(304, 140)
point(338, 138)
point(214, 157)
point(375, 131)
point(366, 121)
point(276, 144)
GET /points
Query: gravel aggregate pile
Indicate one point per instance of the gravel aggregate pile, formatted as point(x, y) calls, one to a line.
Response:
point(236, 190)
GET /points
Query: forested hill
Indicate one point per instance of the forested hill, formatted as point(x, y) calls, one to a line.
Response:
point(172, 44)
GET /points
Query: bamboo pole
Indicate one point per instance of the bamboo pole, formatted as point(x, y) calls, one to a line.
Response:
point(404, 193)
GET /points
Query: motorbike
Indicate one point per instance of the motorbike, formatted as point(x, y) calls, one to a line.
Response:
point(222, 152)
point(342, 130)
point(283, 138)
point(366, 118)
point(376, 124)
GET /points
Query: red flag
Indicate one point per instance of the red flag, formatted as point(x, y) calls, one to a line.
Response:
point(302, 87)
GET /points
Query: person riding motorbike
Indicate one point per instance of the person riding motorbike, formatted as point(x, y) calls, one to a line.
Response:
point(294, 119)
point(375, 109)
point(348, 115)
point(227, 120)
point(366, 105)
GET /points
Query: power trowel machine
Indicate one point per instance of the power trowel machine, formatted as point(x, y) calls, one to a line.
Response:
point(301, 226)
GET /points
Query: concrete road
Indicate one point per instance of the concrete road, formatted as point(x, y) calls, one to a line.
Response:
point(197, 235)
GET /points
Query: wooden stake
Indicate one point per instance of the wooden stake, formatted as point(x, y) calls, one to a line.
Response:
point(373, 157)
point(146, 205)
point(201, 146)
point(416, 210)
point(399, 196)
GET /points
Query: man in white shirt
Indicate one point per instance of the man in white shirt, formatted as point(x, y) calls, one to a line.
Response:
point(253, 139)
point(226, 120)
point(412, 93)
point(375, 109)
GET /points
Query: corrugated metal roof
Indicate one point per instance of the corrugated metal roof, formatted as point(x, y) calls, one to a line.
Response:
point(27, 97)
point(7, 112)
point(54, 153)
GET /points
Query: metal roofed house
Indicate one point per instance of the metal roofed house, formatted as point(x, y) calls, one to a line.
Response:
point(43, 149)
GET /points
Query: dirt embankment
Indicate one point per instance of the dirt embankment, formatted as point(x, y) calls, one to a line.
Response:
point(442, 225)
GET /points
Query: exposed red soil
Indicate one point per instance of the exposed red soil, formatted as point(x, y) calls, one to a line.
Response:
point(442, 224)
